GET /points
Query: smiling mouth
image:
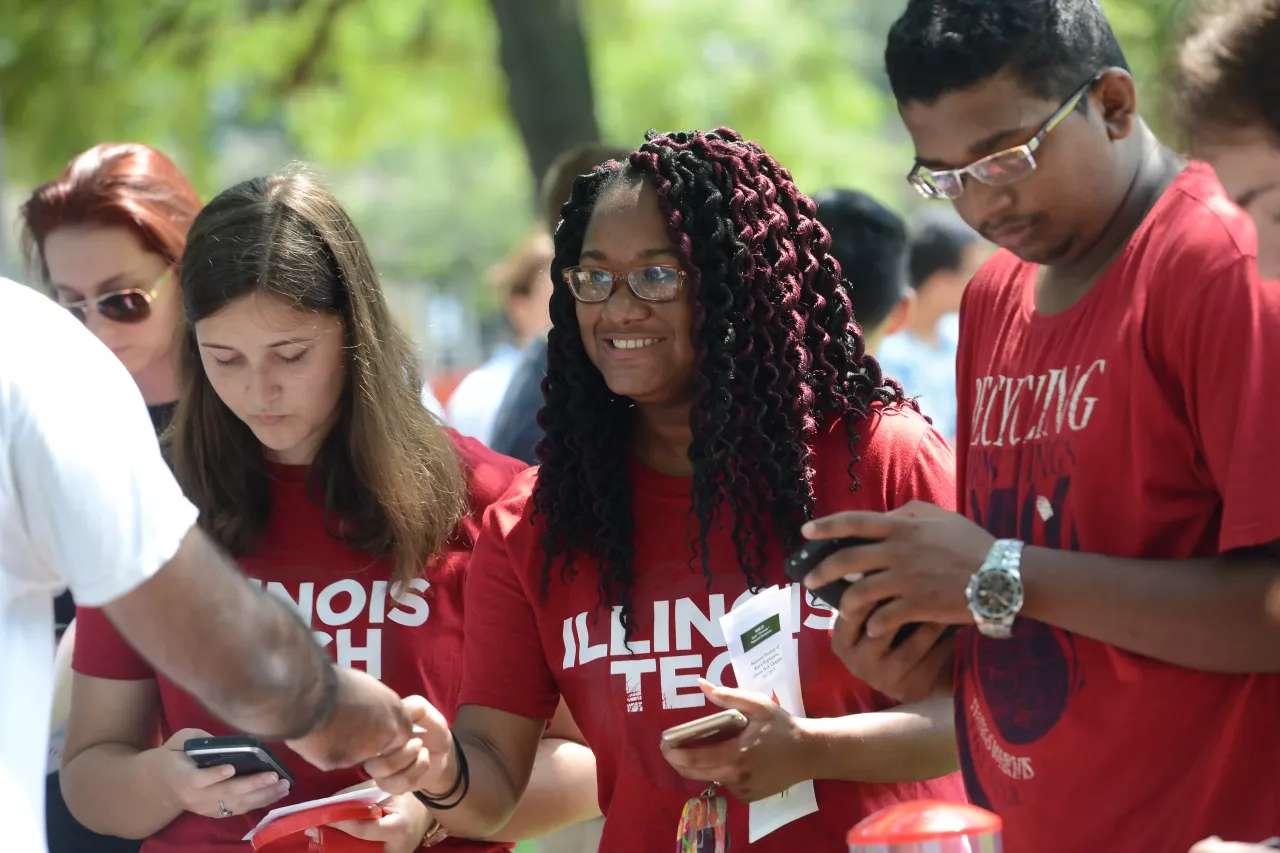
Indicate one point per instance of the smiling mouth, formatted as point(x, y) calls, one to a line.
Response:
point(640, 343)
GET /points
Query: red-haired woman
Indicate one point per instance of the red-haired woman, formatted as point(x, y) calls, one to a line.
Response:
point(106, 236)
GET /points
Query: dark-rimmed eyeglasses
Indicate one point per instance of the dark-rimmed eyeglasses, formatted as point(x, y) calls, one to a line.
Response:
point(120, 306)
point(654, 283)
point(1000, 168)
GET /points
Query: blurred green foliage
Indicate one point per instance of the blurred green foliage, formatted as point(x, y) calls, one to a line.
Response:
point(403, 103)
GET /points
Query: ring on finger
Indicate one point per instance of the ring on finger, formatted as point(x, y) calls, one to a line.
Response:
point(223, 810)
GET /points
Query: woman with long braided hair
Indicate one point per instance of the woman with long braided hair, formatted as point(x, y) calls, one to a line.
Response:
point(707, 393)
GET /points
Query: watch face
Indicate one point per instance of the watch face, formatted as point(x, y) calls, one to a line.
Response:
point(997, 595)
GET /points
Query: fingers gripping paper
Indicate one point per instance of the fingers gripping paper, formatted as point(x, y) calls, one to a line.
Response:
point(763, 651)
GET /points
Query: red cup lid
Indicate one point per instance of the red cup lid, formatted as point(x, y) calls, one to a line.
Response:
point(310, 819)
point(924, 820)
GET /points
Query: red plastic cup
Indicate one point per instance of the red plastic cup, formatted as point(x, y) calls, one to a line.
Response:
point(928, 826)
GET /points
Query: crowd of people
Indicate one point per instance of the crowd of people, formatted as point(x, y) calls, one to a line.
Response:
point(1040, 411)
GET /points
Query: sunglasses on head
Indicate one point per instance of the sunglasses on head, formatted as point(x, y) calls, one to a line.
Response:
point(120, 306)
point(654, 283)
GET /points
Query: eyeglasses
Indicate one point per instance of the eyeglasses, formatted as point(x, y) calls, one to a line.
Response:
point(658, 283)
point(119, 306)
point(994, 170)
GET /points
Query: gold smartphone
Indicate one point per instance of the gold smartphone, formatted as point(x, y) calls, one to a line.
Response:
point(706, 731)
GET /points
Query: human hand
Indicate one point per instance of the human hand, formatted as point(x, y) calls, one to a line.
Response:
point(769, 755)
point(368, 720)
point(210, 791)
point(915, 572)
point(401, 828)
point(919, 565)
point(426, 763)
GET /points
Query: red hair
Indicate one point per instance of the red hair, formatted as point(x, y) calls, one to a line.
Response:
point(122, 184)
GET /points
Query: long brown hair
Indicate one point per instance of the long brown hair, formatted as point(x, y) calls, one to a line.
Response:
point(1226, 76)
point(125, 184)
point(388, 475)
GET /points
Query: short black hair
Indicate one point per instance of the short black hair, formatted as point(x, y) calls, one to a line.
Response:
point(938, 240)
point(869, 241)
point(1052, 47)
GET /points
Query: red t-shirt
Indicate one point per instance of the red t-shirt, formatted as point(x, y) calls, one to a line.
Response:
point(524, 651)
point(411, 639)
point(1138, 423)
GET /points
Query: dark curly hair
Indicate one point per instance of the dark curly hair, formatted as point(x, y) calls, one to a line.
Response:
point(777, 355)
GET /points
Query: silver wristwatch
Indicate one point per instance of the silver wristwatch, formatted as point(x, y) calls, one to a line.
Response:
point(995, 591)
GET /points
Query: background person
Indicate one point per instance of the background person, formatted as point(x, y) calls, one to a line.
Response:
point(869, 241)
point(943, 255)
point(523, 282)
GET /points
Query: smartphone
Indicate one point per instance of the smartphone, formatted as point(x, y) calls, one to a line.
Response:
point(706, 731)
point(247, 755)
point(807, 558)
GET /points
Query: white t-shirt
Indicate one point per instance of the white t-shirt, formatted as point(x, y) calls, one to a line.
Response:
point(85, 500)
point(473, 406)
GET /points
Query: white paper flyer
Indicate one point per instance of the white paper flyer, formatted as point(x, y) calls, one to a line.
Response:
point(763, 653)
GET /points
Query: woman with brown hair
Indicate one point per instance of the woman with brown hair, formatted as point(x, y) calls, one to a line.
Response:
point(105, 236)
point(301, 438)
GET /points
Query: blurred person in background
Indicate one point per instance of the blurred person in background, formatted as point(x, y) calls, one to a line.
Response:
point(943, 255)
point(698, 412)
point(301, 439)
point(516, 432)
point(523, 282)
point(870, 242)
point(1227, 101)
point(88, 501)
point(106, 237)
point(1117, 679)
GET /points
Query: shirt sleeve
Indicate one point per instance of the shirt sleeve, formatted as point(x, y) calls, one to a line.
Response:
point(98, 501)
point(505, 665)
point(931, 476)
point(1226, 356)
point(101, 652)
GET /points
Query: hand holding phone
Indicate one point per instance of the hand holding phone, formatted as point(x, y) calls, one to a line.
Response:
point(245, 755)
point(213, 790)
point(813, 552)
point(706, 731)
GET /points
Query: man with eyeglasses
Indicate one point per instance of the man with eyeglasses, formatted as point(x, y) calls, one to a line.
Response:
point(90, 502)
point(1115, 680)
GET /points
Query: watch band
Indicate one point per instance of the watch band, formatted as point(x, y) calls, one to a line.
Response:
point(1005, 557)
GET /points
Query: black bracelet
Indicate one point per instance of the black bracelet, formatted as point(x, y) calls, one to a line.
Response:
point(463, 782)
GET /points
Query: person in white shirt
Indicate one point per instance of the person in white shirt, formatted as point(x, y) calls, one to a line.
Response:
point(86, 500)
point(943, 254)
point(523, 279)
